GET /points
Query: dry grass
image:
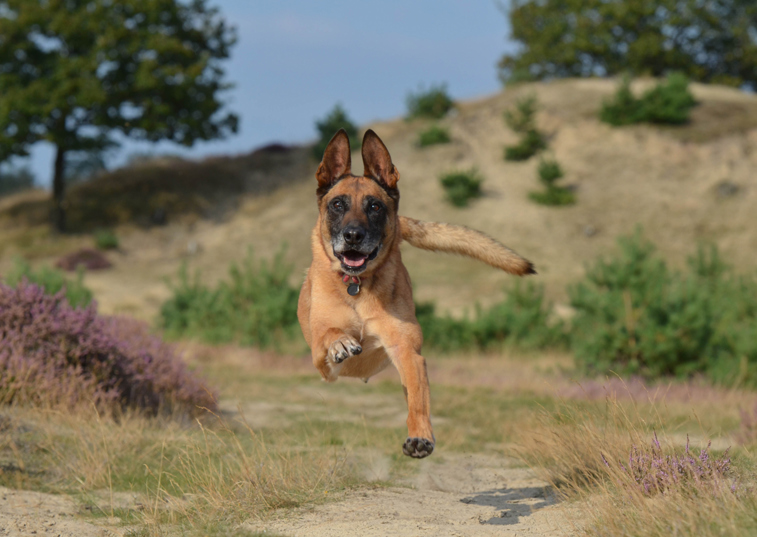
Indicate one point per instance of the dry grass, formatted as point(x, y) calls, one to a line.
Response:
point(585, 451)
point(199, 477)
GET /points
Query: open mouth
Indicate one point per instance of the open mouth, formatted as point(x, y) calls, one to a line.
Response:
point(354, 261)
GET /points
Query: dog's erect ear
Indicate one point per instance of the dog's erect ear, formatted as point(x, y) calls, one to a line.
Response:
point(377, 162)
point(336, 160)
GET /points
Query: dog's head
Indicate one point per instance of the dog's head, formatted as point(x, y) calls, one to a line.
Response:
point(359, 219)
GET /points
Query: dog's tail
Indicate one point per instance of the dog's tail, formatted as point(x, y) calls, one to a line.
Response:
point(438, 237)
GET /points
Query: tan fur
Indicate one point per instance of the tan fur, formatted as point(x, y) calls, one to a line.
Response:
point(358, 336)
point(440, 237)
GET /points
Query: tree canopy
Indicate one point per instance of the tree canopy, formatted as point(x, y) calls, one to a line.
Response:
point(709, 41)
point(76, 72)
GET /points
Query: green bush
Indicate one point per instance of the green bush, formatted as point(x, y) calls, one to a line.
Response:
point(327, 127)
point(433, 103)
point(257, 306)
point(635, 316)
point(530, 144)
point(523, 121)
point(623, 108)
point(520, 320)
point(433, 135)
point(52, 281)
point(553, 195)
point(462, 186)
point(105, 239)
point(667, 103)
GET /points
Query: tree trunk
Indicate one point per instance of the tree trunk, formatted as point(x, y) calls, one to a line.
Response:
point(59, 186)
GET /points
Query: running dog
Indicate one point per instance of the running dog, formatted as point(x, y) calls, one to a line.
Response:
point(356, 305)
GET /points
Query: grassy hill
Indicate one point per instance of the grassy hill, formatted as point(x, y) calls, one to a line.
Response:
point(682, 184)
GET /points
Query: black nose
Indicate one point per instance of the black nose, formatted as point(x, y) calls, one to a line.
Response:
point(353, 235)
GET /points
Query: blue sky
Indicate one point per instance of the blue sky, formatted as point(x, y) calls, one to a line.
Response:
point(295, 59)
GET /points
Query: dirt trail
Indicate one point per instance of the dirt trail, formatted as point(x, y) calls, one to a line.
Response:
point(455, 495)
point(25, 513)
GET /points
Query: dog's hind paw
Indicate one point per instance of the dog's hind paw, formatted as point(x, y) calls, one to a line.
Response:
point(343, 348)
point(417, 447)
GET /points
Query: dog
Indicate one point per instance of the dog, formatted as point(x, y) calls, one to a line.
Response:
point(356, 306)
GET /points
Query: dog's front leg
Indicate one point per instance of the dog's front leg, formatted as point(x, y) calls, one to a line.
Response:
point(412, 369)
point(334, 348)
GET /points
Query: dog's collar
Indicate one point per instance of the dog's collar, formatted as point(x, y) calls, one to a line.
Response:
point(352, 283)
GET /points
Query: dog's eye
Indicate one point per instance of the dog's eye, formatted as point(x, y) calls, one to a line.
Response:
point(337, 205)
point(375, 207)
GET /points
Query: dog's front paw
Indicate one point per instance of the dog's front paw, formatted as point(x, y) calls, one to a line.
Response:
point(343, 348)
point(417, 447)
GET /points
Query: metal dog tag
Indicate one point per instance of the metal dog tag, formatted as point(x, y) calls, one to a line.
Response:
point(353, 289)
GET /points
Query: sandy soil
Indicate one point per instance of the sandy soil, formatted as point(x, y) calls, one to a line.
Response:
point(25, 513)
point(455, 495)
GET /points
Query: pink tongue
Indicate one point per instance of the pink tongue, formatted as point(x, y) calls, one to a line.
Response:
point(354, 262)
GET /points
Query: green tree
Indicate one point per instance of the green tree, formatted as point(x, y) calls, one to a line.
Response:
point(75, 73)
point(713, 41)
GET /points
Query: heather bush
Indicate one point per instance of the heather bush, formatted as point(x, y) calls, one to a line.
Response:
point(433, 103)
point(521, 319)
point(667, 103)
point(461, 186)
point(84, 259)
point(257, 306)
point(651, 472)
point(433, 135)
point(635, 316)
point(522, 120)
point(52, 281)
point(329, 125)
point(552, 195)
point(54, 354)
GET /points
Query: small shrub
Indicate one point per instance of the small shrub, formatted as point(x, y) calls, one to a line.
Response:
point(520, 320)
point(651, 472)
point(553, 197)
point(637, 317)
point(106, 239)
point(670, 102)
point(667, 103)
point(433, 135)
point(51, 281)
point(433, 103)
point(530, 144)
point(523, 119)
point(549, 172)
point(327, 127)
point(257, 306)
point(623, 108)
point(461, 186)
point(84, 259)
point(51, 354)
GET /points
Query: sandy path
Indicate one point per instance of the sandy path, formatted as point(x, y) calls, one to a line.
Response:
point(458, 495)
point(25, 513)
